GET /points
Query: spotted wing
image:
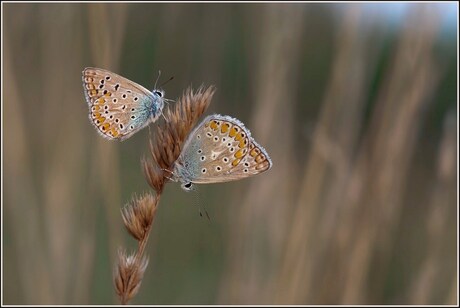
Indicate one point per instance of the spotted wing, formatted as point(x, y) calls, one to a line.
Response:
point(118, 107)
point(221, 149)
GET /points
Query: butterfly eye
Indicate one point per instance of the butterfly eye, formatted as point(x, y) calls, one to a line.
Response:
point(187, 186)
point(159, 93)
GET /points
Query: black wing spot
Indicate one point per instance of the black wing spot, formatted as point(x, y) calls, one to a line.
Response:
point(116, 87)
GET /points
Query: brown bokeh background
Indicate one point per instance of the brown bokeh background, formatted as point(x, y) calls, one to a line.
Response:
point(355, 103)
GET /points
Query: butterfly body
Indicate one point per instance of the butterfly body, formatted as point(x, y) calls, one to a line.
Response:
point(118, 107)
point(219, 149)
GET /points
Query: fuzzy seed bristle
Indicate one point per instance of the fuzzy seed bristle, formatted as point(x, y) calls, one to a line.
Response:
point(128, 275)
point(139, 214)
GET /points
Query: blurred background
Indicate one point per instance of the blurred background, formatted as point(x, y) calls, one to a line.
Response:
point(355, 103)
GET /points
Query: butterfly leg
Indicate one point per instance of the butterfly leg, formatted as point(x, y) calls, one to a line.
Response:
point(164, 117)
point(173, 178)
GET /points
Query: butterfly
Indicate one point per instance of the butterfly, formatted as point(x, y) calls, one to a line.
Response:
point(219, 149)
point(119, 107)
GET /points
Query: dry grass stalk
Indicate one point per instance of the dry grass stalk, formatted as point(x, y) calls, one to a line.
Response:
point(138, 216)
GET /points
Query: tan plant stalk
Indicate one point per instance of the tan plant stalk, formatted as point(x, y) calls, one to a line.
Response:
point(138, 215)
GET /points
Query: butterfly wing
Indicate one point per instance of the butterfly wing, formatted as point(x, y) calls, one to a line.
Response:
point(221, 149)
point(118, 107)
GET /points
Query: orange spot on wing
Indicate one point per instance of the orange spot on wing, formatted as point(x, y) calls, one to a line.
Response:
point(214, 125)
point(105, 126)
point(224, 128)
point(232, 132)
point(236, 162)
point(255, 152)
point(101, 120)
point(240, 153)
point(114, 132)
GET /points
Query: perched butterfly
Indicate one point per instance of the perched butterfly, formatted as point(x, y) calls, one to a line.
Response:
point(118, 107)
point(219, 149)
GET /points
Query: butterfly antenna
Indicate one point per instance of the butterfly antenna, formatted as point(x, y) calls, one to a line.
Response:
point(159, 74)
point(171, 78)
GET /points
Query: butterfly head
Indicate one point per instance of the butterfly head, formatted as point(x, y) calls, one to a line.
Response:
point(157, 107)
point(158, 93)
point(182, 174)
